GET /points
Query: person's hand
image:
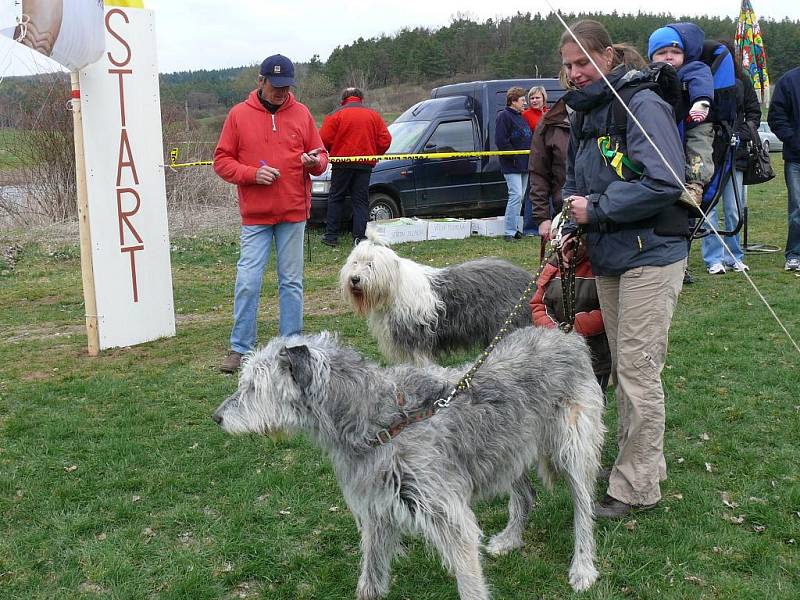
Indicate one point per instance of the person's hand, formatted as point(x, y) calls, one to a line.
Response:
point(578, 210)
point(544, 230)
point(569, 244)
point(267, 175)
point(310, 159)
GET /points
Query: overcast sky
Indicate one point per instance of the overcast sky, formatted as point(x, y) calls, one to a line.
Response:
point(209, 34)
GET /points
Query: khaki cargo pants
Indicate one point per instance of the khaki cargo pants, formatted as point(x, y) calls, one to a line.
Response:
point(637, 310)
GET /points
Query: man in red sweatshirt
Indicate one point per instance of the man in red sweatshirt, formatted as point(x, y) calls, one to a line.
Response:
point(269, 147)
point(352, 130)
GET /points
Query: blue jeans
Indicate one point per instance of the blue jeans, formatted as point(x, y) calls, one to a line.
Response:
point(256, 244)
point(711, 247)
point(791, 171)
point(528, 223)
point(517, 183)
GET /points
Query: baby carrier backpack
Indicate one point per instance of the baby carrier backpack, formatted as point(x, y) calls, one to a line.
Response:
point(664, 81)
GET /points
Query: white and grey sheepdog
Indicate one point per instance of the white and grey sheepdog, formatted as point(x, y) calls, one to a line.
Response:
point(418, 313)
point(535, 402)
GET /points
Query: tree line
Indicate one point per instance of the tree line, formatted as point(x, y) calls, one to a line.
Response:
point(522, 45)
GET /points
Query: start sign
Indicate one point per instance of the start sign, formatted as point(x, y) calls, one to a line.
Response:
point(127, 209)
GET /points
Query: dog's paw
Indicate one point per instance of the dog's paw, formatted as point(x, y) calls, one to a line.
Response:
point(369, 592)
point(582, 578)
point(501, 544)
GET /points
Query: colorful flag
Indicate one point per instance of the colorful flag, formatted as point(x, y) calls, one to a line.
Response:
point(752, 51)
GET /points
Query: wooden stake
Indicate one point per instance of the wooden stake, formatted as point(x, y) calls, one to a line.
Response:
point(87, 269)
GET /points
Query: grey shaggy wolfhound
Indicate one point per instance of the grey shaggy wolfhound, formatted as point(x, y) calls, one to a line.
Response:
point(418, 313)
point(535, 401)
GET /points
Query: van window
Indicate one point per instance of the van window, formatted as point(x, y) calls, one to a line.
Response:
point(454, 136)
point(405, 136)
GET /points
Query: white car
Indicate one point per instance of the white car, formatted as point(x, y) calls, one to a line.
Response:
point(769, 140)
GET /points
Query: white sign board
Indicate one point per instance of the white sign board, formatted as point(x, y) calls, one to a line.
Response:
point(125, 180)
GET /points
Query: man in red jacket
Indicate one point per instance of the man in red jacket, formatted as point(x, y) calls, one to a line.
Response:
point(269, 147)
point(352, 130)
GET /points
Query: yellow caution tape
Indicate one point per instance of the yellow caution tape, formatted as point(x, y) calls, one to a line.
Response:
point(174, 164)
point(336, 159)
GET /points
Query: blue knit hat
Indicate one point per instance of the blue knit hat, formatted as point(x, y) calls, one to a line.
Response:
point(661, 38)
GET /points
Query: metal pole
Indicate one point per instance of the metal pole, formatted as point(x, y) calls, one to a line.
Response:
point(87, 269)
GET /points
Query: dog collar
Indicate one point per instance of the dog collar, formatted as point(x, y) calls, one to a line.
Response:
point(385, 436)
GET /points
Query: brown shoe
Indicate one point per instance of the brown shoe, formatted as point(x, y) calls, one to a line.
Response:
point(611, 508)
point(231, 363)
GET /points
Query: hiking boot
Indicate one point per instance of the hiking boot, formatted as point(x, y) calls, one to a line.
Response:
point(793, 264)
point(518, 236)
point(231, 363)
point(688, 278)
point(611, 508)
point(329, 242)
point(716, 269)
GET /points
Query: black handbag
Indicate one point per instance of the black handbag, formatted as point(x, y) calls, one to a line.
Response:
point(759, 169)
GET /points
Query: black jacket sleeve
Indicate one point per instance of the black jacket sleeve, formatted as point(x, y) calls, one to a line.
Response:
point(780, 109)
point(748, 110)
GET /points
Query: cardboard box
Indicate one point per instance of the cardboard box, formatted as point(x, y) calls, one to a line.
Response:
point(489, 226)
point(396, 231)
point(449, 229)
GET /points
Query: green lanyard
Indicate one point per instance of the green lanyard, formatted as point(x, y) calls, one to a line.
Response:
point(615, 158)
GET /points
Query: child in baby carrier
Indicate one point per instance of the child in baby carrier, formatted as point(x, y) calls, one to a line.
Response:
point(681, 45)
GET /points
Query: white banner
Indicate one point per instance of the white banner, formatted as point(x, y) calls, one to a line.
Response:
point(125, 180)
point(68, 31)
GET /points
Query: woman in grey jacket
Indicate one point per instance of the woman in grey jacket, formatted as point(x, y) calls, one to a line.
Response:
point(636, 235)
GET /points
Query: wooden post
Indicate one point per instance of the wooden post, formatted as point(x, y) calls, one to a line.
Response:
point(87, 269)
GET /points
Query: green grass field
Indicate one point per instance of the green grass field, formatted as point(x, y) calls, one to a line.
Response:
point(115, 483)
point(9, 139)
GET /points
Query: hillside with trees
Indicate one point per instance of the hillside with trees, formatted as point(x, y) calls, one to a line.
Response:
point(523, 45)
point(396, 70)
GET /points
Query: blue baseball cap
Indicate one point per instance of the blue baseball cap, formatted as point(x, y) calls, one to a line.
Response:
point(661, 38)
point(278, 70)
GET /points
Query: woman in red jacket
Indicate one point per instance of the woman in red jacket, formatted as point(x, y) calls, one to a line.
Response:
point(537, 106)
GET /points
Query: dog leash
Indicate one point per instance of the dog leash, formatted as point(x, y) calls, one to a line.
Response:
point(466, 380)
point(386, 435)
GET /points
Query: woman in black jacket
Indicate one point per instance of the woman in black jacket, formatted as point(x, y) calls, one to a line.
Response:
point(636, 236)
point(511, 132)
point(748, 110)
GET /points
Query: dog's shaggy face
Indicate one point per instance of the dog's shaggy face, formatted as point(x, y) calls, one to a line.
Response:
point(272, 390)
point(367, 278)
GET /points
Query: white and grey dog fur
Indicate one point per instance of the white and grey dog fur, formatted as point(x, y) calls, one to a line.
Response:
point(418, 312)
point(534, 402)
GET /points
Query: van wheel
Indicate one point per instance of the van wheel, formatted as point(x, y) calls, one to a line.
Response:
point(765, 144)
point(382, 206)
